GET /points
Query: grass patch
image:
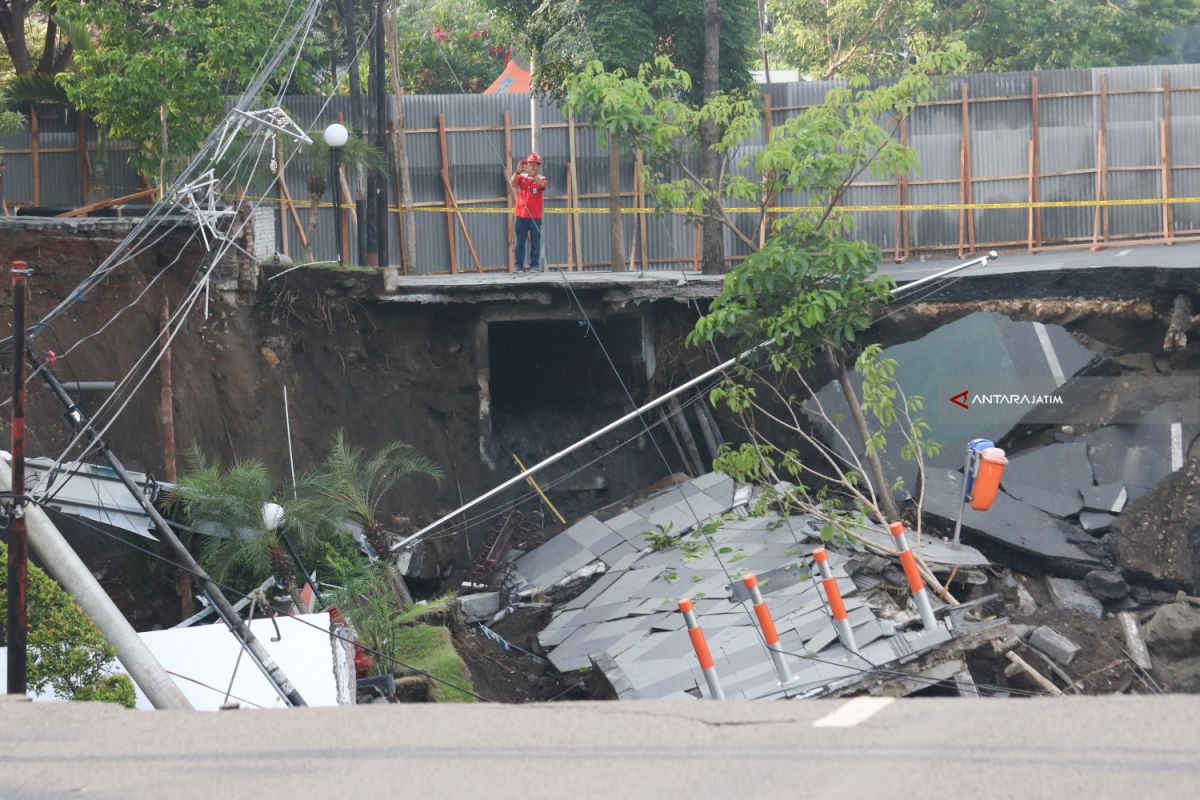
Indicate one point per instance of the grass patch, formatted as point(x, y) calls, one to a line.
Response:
point(430, 648)
point(417, 612)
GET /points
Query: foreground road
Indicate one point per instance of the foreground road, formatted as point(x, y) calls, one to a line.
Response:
point(1119, 747)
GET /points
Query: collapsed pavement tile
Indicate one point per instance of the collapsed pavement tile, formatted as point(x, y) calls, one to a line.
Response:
point(1109, 498)
point(1069, 594)
point(1054, 645)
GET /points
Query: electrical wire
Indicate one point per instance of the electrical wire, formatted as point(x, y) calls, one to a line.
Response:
point(201, 282)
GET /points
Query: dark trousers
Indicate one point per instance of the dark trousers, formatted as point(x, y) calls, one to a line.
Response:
point(530, 229)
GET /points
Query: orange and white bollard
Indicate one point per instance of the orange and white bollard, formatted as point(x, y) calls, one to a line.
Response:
point(770, 635)
point(915, 584)
point(834, 595)
point(702, 655)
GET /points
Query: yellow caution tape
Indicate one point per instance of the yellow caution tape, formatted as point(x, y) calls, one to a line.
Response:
point(1019, 206)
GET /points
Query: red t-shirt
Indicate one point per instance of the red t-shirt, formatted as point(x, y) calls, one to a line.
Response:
point(529, 195)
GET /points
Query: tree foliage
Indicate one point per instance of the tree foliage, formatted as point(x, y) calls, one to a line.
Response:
point(67, 654)
point(567, 34)
point(241, 547)
point(449, 46)
point(179, 56)
point(838, 38)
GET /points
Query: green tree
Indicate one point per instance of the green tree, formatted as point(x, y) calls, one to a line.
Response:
point(175, 58)
point(837, 38)
point(448, 46)
point(355, 487)
point(246, 540)
point(67, 655)
point(812, 288)
point(567, 34)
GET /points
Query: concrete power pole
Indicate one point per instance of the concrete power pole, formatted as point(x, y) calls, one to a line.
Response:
point(66, 567)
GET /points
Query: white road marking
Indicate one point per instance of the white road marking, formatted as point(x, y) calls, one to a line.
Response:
point(1176, 446)
point(1051, 357)
point(853, 712)
point(1124, 253)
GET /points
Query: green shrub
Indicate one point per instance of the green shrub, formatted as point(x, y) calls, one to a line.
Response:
point(67, 654)
point(111, 689)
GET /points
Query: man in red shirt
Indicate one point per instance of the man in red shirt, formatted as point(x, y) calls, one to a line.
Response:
point(530, 186)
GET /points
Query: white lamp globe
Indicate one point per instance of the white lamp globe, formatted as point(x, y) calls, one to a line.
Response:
point(272, 516)
point(336, 135)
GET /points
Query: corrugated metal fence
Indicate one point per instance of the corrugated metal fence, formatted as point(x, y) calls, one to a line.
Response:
point(1071, 135)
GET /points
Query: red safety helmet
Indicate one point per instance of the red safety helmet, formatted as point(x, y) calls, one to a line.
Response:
point(532, 158)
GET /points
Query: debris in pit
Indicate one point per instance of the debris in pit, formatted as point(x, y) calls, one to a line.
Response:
point(1158, 536)
point(1011, 523)
point(983, 347)
point(627, 622)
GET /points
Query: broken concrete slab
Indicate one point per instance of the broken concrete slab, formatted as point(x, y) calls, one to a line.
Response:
point(1050, 478)
point(1158, 535)
point(1109, 498)
point(1009, 522)
point(1095, 522)
point(1073, 595)
point(1054, 645)
point(1139, 456)
point(481, 606)
point(1106, 585)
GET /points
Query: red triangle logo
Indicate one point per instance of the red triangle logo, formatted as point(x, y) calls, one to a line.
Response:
point(960, 399)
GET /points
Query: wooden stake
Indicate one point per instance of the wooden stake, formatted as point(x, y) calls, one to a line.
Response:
point(1096, 218)
point(1038, 678)
point(696, 251)
point(1029, 194)
point(967, 193)
point(348, 213)
point(770, 197)
point(448, 194)
point(962, 193)
point(1104, 141)
point(509, 194)
point(1037, 155)
point(1168, 210)
point(576, 221)
point(641, 215)
point(570, 221)
point(84, 167)
point(35, 156)
point(291, 208)
point(904, 189)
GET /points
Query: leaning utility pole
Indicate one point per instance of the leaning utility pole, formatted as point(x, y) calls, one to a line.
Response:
point(237, 626)
point(17, 631)
point(64, 565)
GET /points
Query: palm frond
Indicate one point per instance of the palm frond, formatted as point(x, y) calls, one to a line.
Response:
point(33, 88)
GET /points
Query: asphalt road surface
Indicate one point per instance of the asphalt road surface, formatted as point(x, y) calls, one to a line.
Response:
point(1134, 748)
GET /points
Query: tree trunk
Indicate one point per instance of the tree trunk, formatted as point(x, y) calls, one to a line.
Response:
point(357, 124)
point(314, 216)
point(616, 224)
point(401, 175)
point(712, 235)
point(883, 490)
point(12, 30)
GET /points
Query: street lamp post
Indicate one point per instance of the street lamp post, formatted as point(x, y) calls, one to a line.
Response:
point(336, 136)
